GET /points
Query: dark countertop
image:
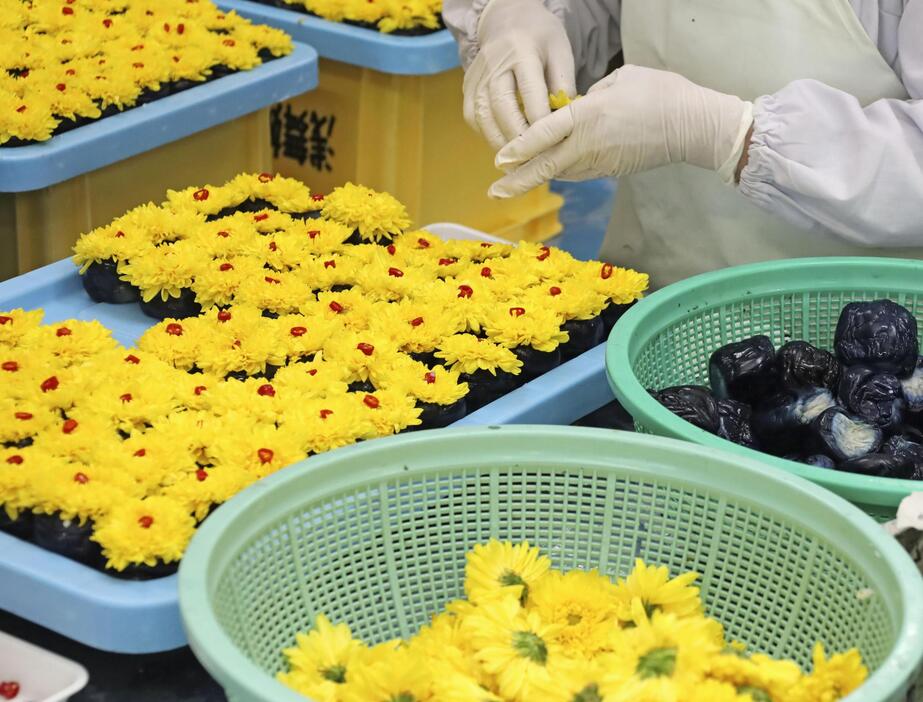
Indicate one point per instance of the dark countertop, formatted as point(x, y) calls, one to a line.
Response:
point(174, 676)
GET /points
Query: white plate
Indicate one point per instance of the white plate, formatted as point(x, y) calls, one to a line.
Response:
point(43, 676)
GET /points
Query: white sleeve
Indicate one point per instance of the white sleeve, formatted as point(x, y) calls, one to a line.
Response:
point(592, 27)
point(818, 158)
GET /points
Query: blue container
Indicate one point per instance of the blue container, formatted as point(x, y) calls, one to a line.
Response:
point(144, 128)
point(143, 617)
point(400, 55)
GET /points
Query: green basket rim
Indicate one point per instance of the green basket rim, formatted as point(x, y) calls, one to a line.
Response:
point(885, 492)
point(252, 509)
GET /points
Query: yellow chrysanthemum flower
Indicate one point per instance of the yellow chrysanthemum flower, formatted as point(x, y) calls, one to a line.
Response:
point(832, 678)
point(387, 673)
point(15, 324)
point(374, 215)
point(657, 592)
point(322, 661)
point(513, 644)
point(498, 568)
point(144, 531)
point(467, 353)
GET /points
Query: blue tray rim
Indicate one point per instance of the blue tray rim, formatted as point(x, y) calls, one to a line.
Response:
point(399, 55)
point(147, 127)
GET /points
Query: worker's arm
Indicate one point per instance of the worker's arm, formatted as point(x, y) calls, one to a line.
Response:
point(516, 52)
point(819, 159)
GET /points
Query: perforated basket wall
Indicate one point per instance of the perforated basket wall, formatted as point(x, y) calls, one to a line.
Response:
point(667, 339)
point(376, 537)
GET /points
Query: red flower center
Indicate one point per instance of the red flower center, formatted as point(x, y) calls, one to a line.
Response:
point(174, 329)
point(146, 521)
point(137, 64)
point(545, 253)
point(120, 234)
point(9, 689)
point(180, 28)
point(416, 322)
point(313, 371)
point(70, 72)
point(430, 377)
point(265, 177)
point(485, 245)
point(392, 249)
point(517, 311)
point(324, 413)
point(606, 272)
point(336, 307)
point(424, 244)
point(555, 290)
point(199, 389)
point(23, 416)
point(273, 246)
point(261, 217)
point(200, 195)
point(223, 234)
point(166, 26)
point(266, 390)
point(314, 233)
point(465, 291)
point(201, 474)
point(140, 453)
point(126, 397)
point(21, 108)
point(10, 366)
point(224, 316)
point(67, 10)
point(367, 349)
point(225, 267)
point(69, 426)
point(131, 358)
point(63, 331)
point(298, 331)
point(317, 197)
point(395, 272)
point(265, 455)
point(371, 401)
point(15, 460)
point(272, 281)
point(5, 320)
point(447, 261)
point(50, 384)
point(486, 272)
point(229, 42)
point(330, 264)
point(61, 87)
point(81, 478)
point(107, 23)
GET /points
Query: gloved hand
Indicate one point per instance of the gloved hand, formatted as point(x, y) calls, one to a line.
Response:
point(633, 120)
point(524, 48)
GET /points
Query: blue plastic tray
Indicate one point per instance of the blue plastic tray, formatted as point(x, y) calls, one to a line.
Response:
point(143, 617)
point(415, 56)
point(160, 122)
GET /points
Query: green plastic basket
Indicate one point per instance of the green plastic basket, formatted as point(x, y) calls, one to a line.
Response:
point(375, 535)
point(667, 339)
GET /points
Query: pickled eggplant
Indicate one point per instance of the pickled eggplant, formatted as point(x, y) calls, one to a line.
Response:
point(781, 423)
point(881, 465)
point(913, 388)
point(881, 335)
point(693, 403)
point(800, 365)
point(875, 397)
point(744, 370)
point(819, 460)
point(908, 451)
point(844, 437)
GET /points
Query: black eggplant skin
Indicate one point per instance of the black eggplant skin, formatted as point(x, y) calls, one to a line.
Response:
point(800, 365)
point(693, 403)
point(875, 397)
point(734, 423)
point(881, 465)
point(881, 335)
point(175, 307)
point(781, 422)
point(102, 283)
point(823, 435)
point(536, 363)
point(744, 370)
point(913, 388)
point(819, 460)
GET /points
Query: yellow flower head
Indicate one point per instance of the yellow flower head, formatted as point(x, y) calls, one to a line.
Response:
point(504, 568)
point(467, 353)
point(387, 673)
point(619, 285)
point(144, 531)
point(525, 325)
point(322, 661)
point(374, 215)
point(656, 591)
point(832, 678)
point(15, 324)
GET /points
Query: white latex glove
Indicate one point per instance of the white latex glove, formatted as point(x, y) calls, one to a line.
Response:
point(521, 47)
point(633, 120)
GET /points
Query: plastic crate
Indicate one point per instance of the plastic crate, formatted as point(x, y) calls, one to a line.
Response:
point(388, 114)
point(667, 338)
point(52, 192)
point(42, 675)
point(143, 617)
point(377, 537)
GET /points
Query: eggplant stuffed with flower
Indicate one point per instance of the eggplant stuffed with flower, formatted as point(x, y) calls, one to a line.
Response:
point(837, 434)
point(875, 397)
point(912, 388)
point(881, 335)
point(781, 423)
